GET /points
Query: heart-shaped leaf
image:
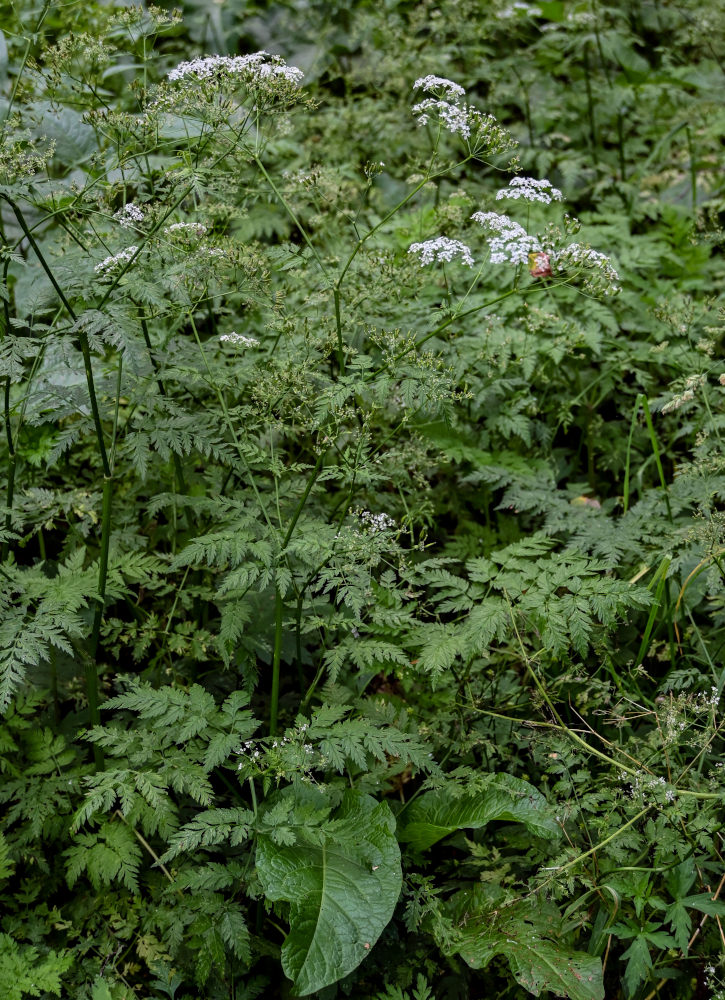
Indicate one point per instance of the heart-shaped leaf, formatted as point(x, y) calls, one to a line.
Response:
point(342, 882)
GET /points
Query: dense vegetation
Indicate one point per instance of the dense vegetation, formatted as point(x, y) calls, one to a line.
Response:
point(362, 621)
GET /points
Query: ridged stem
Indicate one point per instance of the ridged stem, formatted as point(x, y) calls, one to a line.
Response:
point(91, 672)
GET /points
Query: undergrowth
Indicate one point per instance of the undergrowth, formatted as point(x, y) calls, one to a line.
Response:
point(362, 540)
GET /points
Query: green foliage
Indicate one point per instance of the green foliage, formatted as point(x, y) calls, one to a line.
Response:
point(362, 620)
point(342, 880)
point(528, 934)
point(436, 814)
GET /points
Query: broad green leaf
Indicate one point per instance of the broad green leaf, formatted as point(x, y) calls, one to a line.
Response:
point(342, 881)
point(437, 814)
point(74, 139)
point(527, 933)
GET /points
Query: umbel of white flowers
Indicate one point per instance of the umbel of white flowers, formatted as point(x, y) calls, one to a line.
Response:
point(481, 131)
point(510, 243)
point(257, 66)
point(441, 249)
point(128, 215)
point(118, 258)
point(238, 339)
point(530, 189)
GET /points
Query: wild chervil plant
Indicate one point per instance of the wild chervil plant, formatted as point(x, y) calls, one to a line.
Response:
point(362, 541)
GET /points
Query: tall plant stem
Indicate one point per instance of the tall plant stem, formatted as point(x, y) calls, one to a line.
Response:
point(12, 458)
point(276, 659)
point(162, 389)
point(656, 452)
point(91, 672)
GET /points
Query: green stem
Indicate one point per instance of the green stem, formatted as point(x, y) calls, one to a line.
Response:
point(628, 459)
point(276, 658)
point(303, 499)
point(693, 169)
point(291, 212)
point(574, 736)
point(91, 665)
point(600, 845)
point(162, 389)
point(12, 458)
point(338, 326)
point(82, 338)
point(656, 451)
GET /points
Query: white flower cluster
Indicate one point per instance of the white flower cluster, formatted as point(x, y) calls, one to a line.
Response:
point(481, 131)
point(195, 229)
point(247, 750)
point(436, 84)
point(643, 785)
point(374, 524)
point(601, 276)
point(708, 701)
point(259, 66)
point(530, 189)
point(519, 8)
point(238, 338)
point(128, 215)
point(110, 262)
point(453, 117)
point(441, 248)
point(692, 384)
point(509, 242)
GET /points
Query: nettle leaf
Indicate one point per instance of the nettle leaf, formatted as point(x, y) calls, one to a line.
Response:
point(528, 934)
point(342, 882)
point(435, 815)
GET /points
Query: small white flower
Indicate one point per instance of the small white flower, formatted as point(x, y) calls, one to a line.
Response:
point(510, 243)
point(518, 8)
point(239, 339)
point(249, 69)
point(128, 215)
point(194, 229)
point(439, 83)
point(118, 258)
point(453, 118)
point(530, 189)
point(376, 523)
point(601, 276)
point(442, 249)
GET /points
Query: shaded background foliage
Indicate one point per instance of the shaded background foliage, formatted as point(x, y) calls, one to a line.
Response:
point(515, 682)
